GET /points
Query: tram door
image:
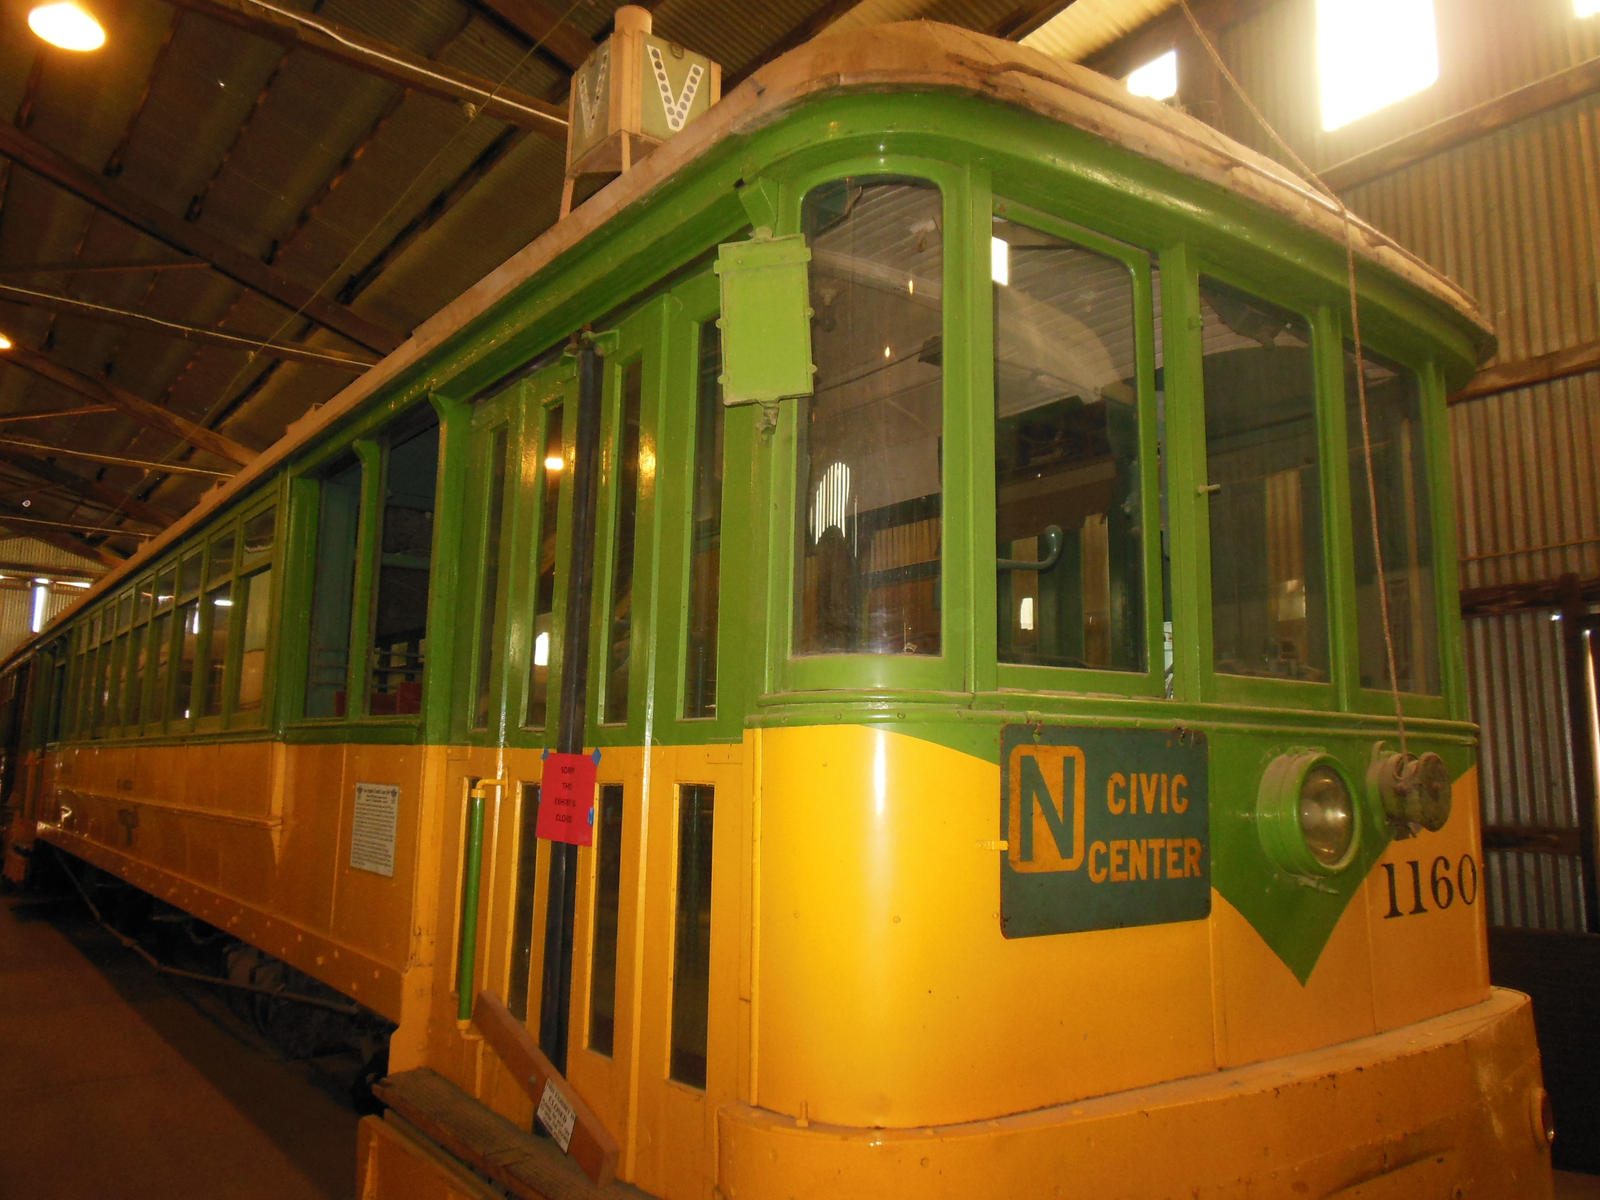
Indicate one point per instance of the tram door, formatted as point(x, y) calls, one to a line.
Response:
point(648, 1046)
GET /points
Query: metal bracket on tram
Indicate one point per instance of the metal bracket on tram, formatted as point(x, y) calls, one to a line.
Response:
point(1053, 539)
point(605, 343)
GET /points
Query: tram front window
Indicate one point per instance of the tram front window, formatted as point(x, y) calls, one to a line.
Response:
point(1070, 584)
point(870, 463)
point(1405, 527)
point(1268, 588)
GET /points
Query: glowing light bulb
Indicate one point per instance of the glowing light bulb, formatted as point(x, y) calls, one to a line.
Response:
point(67, 26)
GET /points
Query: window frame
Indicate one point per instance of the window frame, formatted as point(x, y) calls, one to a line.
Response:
point(964, 352)
point(1039, 678)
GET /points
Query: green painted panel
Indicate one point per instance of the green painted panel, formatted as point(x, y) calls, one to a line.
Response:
point(766, 318)
point(1104, 828)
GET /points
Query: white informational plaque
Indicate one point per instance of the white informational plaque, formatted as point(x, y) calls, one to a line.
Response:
point(373, 830)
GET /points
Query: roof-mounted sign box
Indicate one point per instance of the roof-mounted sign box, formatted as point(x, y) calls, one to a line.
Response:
point(633, 93)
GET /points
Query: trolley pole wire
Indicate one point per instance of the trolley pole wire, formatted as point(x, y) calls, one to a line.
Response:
point(1348, 219)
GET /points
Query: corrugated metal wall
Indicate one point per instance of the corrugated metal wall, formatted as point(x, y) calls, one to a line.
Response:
point(40, 560)
point(1514, 215)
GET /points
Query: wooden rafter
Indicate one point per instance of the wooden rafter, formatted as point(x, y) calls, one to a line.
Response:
point(1021, 21)
point(54, 533)
point(356, 49)
point(88, 490)
point(1159, 34)
point(1561, 88)
point(545, 27)
point(51, 302)
point(1529, 372)
point(174, 231)
point(140, 409)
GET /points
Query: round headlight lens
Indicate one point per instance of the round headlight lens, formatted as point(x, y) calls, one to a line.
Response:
point(1306, 814)
point(1327, 815)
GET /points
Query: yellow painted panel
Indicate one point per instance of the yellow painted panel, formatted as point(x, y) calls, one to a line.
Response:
point(674, 1122)
point(1460, 1087)
point(1429, 940)
point(370, 909)
point(1264, 1011)
point(606, 1081)
point(310, 835)
point(886, 994)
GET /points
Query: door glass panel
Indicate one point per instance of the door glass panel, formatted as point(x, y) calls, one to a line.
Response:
point(1405, 527)
point(691, 955)
point(705, 550)
point(871, 436)
point(522, 908)
point(551, 467)
point(497, 509)
point(619, 635)
point(607, 899)
point(1070, 586)
point(1269, 608)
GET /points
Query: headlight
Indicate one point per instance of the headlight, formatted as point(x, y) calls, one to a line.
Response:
point(1306, 814)
point(1414, 792)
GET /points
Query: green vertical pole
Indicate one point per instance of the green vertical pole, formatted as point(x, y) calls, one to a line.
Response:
point(467, 961)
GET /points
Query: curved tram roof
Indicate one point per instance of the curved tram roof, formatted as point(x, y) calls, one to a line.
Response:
point(914, 55)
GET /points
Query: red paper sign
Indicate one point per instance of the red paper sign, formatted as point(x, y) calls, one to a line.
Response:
point(566, 799)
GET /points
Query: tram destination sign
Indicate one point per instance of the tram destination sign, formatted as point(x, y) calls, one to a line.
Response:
point(1103, 828)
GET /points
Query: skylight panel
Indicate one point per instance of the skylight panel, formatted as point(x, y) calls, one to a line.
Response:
point(1371, 53)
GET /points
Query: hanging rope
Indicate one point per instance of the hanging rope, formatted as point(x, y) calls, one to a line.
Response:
point(1348, 218)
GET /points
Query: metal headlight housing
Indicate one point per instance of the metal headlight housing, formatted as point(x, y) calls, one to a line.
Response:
point(1306, 814)
point(1414, 791)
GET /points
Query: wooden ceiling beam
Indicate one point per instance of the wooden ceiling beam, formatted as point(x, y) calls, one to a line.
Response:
point(23, 525)
point(1159, 34)
point(311, 356)
point(87, 490)
point(545, 28)
point(1552, 91)
point(1021, 21)
point(174, 231)
point(152, 415)
point(355, 49)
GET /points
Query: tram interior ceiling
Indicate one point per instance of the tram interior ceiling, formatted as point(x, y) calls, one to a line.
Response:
point(650, 567)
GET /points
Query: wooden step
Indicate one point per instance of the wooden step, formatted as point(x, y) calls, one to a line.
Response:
point(528, 1166)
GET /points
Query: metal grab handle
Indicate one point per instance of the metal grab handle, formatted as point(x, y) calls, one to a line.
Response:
point(1052, 546)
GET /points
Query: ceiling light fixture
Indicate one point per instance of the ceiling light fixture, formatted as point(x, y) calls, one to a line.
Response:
point(5, 342)
point(66, 25)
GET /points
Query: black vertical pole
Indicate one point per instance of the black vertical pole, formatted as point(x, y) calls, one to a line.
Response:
point(555, 1002)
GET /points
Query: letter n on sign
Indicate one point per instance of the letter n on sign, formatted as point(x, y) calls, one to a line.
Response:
point(566, 799)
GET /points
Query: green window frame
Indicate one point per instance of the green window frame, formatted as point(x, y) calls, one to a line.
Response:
point(386, 480)
point(1150, 679)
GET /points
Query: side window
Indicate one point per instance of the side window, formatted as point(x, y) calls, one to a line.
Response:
point(216, 621)
point(371, 567)
point(870, 466)
point(1069, 544)
point(1269, 599)
point(333, 588)
point(1405, 527)
point(400, 600)
point(161, 629)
